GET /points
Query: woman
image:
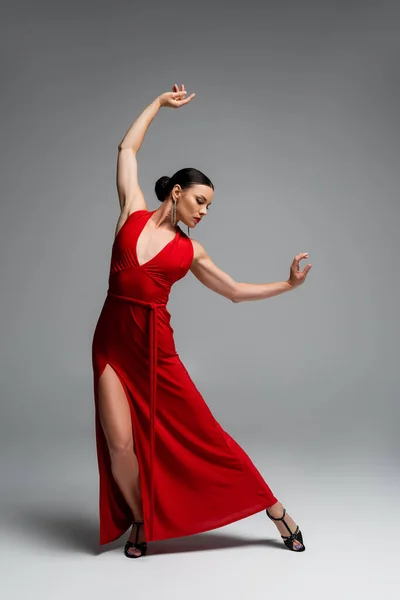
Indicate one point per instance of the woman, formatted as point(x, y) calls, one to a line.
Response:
point(164, 461)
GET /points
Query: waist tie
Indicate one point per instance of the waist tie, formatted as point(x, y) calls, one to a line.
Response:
point(153, 357)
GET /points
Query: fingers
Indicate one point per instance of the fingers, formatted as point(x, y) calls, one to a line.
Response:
point(180, 93)
point(176, 88)
point(295, 264)
point(300, 256)
point(188, 99)
point(303, 274)
point(179, 97)
point(297, 277)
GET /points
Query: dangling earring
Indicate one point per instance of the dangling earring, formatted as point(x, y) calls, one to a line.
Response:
point(173, 214)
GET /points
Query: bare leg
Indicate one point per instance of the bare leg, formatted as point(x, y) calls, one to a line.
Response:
point(276, 510)
point(115, 419)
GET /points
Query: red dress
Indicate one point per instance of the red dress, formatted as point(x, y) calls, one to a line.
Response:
point(193, 475)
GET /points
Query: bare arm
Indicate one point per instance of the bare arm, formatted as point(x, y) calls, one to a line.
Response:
point(135, 135)
point(129, 193)
point(210, 275)
point(216, 280)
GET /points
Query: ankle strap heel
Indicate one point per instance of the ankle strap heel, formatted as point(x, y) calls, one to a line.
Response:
point(294, 536)
point(141, 546)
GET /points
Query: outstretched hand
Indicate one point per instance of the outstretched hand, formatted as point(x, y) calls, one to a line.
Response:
point(298, 277)
point(176, 98)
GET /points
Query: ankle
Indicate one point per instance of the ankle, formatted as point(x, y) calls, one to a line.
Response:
point(276, 510)
point(137, 531)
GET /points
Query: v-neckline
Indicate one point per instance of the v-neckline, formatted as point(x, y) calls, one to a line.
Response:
point(159, 252)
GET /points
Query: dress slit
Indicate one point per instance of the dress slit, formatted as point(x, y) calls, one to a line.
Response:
point(113, 508)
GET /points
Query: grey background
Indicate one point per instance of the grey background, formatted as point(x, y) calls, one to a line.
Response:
point(295, 121)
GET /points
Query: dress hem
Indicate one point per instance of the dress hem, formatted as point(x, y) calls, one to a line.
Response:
point(217, 524)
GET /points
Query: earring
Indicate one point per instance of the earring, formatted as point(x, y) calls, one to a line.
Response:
point(173, 214)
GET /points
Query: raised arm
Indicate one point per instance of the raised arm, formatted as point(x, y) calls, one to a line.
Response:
point(220, 282)
point(129, 193)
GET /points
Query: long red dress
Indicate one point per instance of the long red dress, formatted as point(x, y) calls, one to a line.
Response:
point(193, 475)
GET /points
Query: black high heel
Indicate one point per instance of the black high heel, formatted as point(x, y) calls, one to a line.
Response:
point(142, 546)
point(289, 539)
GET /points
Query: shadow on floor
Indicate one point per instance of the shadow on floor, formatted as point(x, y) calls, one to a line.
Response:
point(79, 533)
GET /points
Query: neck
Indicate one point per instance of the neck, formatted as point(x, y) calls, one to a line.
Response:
point(163, 216)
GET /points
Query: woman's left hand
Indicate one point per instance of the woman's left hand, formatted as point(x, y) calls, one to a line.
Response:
point(176, 98)
point(298, 277)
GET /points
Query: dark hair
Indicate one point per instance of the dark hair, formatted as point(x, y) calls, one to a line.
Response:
point(184, 177)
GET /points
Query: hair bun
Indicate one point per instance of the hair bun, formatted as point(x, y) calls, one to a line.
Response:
point(161, 187)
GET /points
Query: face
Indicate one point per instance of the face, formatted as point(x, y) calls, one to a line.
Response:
point(192, 203)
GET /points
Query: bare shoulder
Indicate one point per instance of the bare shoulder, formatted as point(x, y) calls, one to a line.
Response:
point(198, 251)
point(125, 214)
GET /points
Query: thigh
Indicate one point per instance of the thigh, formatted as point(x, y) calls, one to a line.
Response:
point(114, 412)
